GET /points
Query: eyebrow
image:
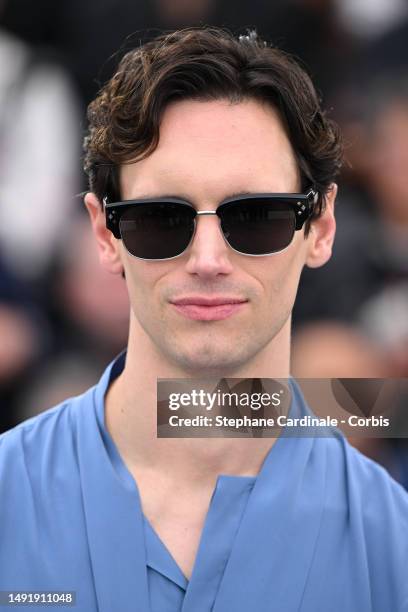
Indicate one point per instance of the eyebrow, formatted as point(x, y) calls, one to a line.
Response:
point(191, 201)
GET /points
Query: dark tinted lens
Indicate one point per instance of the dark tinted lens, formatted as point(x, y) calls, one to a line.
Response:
point(258, 226)
point(157, 231)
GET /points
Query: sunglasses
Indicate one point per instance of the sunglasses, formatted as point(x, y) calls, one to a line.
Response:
point(253, 224)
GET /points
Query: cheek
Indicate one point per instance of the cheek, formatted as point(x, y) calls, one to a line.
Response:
point(139, 283)
point(143, 281)
point(279, 277)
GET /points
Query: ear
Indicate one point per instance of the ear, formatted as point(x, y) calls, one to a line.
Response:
point(322, 232)
point(108, 245)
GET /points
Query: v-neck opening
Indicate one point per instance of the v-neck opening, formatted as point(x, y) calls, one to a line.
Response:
point(158, 551)
point(218, 540)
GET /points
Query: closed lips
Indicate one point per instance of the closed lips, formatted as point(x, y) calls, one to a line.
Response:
point(201, 301)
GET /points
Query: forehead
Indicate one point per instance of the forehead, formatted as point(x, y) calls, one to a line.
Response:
point(213, 149)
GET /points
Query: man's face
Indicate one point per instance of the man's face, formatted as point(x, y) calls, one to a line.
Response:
point(209, 151)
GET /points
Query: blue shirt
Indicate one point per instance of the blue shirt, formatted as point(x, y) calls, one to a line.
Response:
point(320, 527)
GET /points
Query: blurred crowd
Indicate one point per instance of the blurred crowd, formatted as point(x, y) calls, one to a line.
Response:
point(62, 318)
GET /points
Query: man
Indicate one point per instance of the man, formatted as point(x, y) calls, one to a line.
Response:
point(92, 500)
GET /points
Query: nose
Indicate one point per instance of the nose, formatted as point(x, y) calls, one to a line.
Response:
point(209, 254)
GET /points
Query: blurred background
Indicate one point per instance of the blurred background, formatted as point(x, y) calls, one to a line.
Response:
point(62, 318)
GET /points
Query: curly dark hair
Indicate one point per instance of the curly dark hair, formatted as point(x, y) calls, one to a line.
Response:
point(205, 64)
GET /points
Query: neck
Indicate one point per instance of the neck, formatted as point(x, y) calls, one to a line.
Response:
point(131, 415)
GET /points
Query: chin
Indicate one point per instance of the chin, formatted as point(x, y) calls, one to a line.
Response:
point(209, 361)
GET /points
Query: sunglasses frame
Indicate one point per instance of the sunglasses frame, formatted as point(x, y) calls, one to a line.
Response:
point(303, 204)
